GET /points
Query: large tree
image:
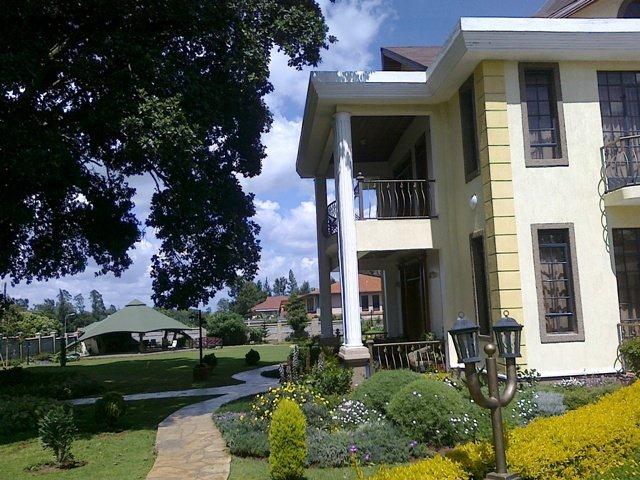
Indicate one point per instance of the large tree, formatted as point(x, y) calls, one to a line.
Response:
point(95, 92)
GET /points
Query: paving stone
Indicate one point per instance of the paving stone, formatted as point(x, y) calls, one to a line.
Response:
point(188, 444)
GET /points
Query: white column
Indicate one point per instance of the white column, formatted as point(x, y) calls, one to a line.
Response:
point(343, 174)
point(324, 268)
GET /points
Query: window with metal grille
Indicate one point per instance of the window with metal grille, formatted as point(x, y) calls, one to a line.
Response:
point(557, 280)
point(619, 94)
point(364, 303)
point(542, 115)
point(375, 299)
point(626, 249)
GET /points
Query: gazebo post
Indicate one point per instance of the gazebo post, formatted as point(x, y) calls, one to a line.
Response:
point(140, 335)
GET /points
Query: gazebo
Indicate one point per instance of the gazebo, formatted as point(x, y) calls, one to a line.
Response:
point(115, 334)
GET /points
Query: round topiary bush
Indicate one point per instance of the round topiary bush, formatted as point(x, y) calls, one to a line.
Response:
point(377, 391)
point(109, 409)
point(210, 359)
point(433, 412)
point(252, 357)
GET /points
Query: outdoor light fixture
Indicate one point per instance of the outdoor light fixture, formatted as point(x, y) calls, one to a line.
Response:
point(465, 339)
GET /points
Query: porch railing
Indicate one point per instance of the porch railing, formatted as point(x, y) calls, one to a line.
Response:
point(393, 199)
point(330, 226)
point(421, 356)
point(621, 162)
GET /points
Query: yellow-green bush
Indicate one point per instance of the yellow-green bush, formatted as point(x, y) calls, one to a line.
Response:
point(580, 444)
point(287, 441)
point(436, 468)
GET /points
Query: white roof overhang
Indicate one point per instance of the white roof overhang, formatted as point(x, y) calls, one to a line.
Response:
point(473, 40)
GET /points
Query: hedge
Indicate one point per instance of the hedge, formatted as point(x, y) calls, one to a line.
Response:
point(436, 468)
point(577, 445)
point(580, 444)
point(287, 442)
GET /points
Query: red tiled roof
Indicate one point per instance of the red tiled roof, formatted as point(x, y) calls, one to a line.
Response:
point(366, 284)
point(271, 303)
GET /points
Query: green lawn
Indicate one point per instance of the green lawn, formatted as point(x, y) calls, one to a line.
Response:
point(253, 469)
point(171, 370)
point(124, 455)
point(630, 470)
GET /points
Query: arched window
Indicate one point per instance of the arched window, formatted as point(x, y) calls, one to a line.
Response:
point(630, 9)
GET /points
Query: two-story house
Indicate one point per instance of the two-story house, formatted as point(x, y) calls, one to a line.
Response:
point(499, 171)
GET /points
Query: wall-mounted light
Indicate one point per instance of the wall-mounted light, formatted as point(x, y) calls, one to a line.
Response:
point(473, 201)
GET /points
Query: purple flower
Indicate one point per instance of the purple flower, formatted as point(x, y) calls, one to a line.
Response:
point(353, 449)
point(367, 457)
point(413, 444)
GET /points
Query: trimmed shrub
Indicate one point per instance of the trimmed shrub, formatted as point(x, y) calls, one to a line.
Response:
point(57, 432)
point(550, 403)
point(434, 412)
point(379, 443)
point(245, 436)
point(377, 391)
point(264, 405)
point(252, 357)
point(287, 442)
point(210, 359)
point(579, 397)
point(436, 468)
point(630, 350)
point(21, 414)
point(109, 409)
point(46, 382)
point(577, 445)
point(476, 458)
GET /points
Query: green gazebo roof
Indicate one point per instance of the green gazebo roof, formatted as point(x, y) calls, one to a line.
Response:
point(135, 317)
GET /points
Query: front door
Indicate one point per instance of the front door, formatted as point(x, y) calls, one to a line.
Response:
point(414, 295)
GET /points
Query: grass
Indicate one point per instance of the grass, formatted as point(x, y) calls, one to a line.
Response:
point(253, 469)
point(126, 454)
point(628, 471)
point(240, 405)
point(171, 370)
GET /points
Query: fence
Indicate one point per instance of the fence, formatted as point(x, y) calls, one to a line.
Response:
point(12, 348)
point(420, 356)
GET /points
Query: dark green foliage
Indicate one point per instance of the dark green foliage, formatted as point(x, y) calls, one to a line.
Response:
point(210, 359)
point(57, 432)
point(96, 92)
point(43, 357)
point(229, 326)
point(109, 409)
point(296, 315)
point(318, 416)
point(16, 320)
point(53, 383)
point(245, 294)
point(245, 436)
point(328, 377)
point(578, 397)
point(377, 391)
point(252, 357)
point(630, 350)
point(376, 442)
point(433, 412)
point(287, 442)
point(20, 414)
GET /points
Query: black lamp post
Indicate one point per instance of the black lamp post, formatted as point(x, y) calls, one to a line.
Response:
point(507, 333)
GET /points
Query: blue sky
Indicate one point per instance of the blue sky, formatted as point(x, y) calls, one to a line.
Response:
point(285, 208)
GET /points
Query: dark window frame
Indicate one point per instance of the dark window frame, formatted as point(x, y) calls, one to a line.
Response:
point(373, 302)
point(558, 337)
point(483, 318)
point(562, 160)
point(625, 279)
point(364, 297)
point(469, 121)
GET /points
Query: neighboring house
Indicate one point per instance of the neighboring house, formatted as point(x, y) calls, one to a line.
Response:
point(272, 307)
point(369, 287)
point(497, 172)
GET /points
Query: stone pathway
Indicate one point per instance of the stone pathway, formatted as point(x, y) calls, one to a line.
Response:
point(189, 445)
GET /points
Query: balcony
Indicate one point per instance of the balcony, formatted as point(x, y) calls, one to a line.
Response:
point(621, 171)
point(386, 200)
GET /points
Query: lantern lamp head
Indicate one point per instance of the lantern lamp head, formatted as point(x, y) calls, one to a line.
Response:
point(464, 334)
point(507, 333)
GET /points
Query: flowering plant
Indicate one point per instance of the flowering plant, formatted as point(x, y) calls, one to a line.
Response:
point(264, 405)
point(352, 413)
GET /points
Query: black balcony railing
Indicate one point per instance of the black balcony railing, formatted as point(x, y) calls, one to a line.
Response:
point(621, 162)
point(386, 199)
point(394, 199)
